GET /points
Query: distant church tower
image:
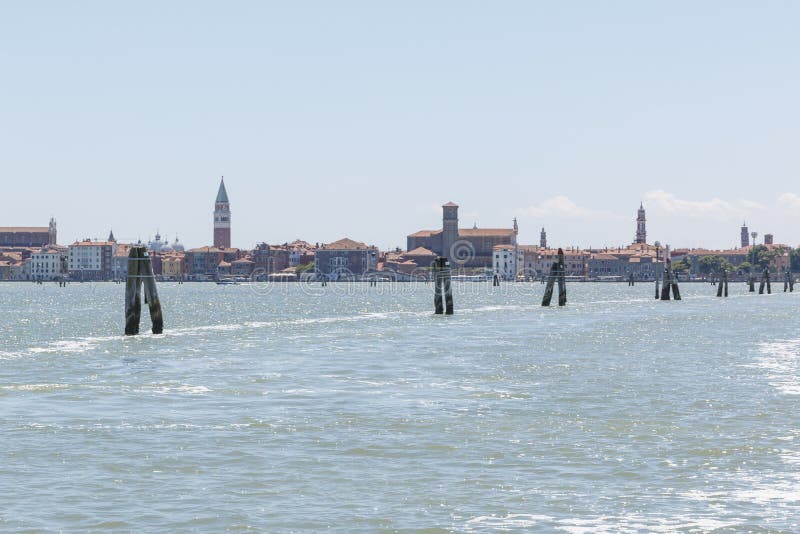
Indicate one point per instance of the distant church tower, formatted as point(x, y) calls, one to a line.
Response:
point(641, 226)
point(745, 235)
point(52, 234)
point(543, 239)
point(222, 218)
point(449, 227)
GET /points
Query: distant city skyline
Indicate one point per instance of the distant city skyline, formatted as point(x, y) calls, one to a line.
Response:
point(361, 120)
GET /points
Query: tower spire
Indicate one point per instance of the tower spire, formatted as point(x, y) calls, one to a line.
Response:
point(222, 217)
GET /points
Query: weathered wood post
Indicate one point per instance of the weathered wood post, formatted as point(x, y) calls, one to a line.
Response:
point(562, 282)
point(140, 273)
point(725, 281)
point(765, 282)
point(151, 293)
point(657, 291)
point(769, 284)
point(133, 300)
point(548, 290)
point(676, 292)
point(667, 282)
point(720, 285)
point(495, 280)
point(442, 287)
point(557, 274)
point(630, 280)
point(788, 283)
point(752, 281)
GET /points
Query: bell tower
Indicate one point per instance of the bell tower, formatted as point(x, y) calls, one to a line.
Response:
point(641, 225)
point(52, 233)
point(222, 218)
point(449, 227)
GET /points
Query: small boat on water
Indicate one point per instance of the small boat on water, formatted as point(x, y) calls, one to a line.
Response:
point(227, 283)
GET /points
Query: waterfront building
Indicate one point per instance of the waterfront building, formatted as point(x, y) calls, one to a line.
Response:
point(28, 236)
point(222, 218)
point(91, 260)
point(269, 259)
point(505, 260)
point(768, 239)
point(48, 263)
point(345, 259)
point(465, 247)
point(243, 267)
point(641, 226)
point(172, 266)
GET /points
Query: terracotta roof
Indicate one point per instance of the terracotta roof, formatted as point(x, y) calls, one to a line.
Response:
point(425, 233)
point(205, 249)
point(25, 229)
point(346, 244)
point(450, 205)
point(420, 251)
point(478, 232)
point(92, 243)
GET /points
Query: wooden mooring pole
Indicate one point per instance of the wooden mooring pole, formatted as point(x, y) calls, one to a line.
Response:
point(765, 282)
point(722, 285)
point(630, 280)
point(670, 283)
point(140, 273)
point(557, 273)
point(443, 290)
point(657, 291)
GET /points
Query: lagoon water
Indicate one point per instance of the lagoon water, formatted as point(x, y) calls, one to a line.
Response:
point(300, 408)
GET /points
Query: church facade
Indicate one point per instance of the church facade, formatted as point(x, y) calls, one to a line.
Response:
point(464, 247)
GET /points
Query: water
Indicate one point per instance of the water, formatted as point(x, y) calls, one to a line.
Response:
point(293, 408)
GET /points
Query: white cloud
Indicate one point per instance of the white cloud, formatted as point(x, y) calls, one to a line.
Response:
point(558, 206)
point(789, 200)
point(715, 208)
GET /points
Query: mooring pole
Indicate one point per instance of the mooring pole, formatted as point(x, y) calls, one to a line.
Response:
point(676, 292)
point(725, 280)
point(140, 273)
point(495, 280)
point(765, 282)
point(133, 300)
point(562, 282)
point(667, 282)
point(657, 292)
point(786, 281)
point(443, 290)
point(630, 279)
point(769, 285)
point(150, 293)
point(720, 285)
point(752, 281)
point(548, 290)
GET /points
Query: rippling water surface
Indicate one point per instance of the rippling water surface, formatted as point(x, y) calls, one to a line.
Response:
point(291, 408)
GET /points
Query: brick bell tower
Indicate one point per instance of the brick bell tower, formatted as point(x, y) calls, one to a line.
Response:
point(222, 218)
point(641, 226)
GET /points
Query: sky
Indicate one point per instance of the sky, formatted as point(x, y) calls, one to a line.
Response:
point(360, 119)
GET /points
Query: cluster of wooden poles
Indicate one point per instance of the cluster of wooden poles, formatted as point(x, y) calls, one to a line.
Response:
point(140, 273)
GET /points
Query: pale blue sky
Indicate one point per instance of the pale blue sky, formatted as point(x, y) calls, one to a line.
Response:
point(357, 119)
